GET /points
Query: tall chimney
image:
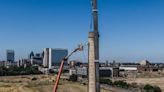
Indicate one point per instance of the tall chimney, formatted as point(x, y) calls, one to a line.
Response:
point(91, 68)
point(93, 53)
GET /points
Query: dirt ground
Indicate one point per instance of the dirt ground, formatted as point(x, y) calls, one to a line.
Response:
point(153, 81)
point(43, 83)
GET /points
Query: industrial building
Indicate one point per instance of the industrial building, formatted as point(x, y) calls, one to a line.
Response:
point(105, 72)
point(144, 62)
point(126, 68)
point(72, 71)
point(82, 71)
point(109, 72)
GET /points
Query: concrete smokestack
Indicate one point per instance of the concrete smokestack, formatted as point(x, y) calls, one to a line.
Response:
point(91, 58)
point(93, 75)
point(93, 54)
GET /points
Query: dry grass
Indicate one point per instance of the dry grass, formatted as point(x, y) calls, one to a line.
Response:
point(153, 81)
point(42, 84)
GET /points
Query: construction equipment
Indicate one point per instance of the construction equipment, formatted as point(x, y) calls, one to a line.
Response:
point(80, 48)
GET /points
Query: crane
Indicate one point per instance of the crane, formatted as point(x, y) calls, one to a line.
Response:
point(93, 55)
point(80, 48)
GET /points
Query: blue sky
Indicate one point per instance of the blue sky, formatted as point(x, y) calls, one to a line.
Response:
point(131, 30)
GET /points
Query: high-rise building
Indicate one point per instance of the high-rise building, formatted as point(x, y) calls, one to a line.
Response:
point(31, 55)
point(10, 55)
point(37, 59)
point(46, 57)
point(52, 57)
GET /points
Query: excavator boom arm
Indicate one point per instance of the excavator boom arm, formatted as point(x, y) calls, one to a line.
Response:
point(58, 76)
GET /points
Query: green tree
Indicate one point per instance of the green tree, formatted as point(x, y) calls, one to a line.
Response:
point(106, 81)
point(157, 89)
point(148, 88)
point(121, 83)
point(73, 78)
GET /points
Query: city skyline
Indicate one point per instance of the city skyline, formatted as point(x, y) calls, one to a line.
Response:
point(128, 29)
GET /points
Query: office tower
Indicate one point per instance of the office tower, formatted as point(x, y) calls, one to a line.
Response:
point(10, 55)
point(31, 55)
point(52, 57)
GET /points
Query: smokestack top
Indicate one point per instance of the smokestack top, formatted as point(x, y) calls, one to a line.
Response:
point(91, 34)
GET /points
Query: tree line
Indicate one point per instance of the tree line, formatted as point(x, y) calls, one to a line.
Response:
point(14, 70)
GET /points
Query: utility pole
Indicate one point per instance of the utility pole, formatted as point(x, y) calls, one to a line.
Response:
point(93, 53)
